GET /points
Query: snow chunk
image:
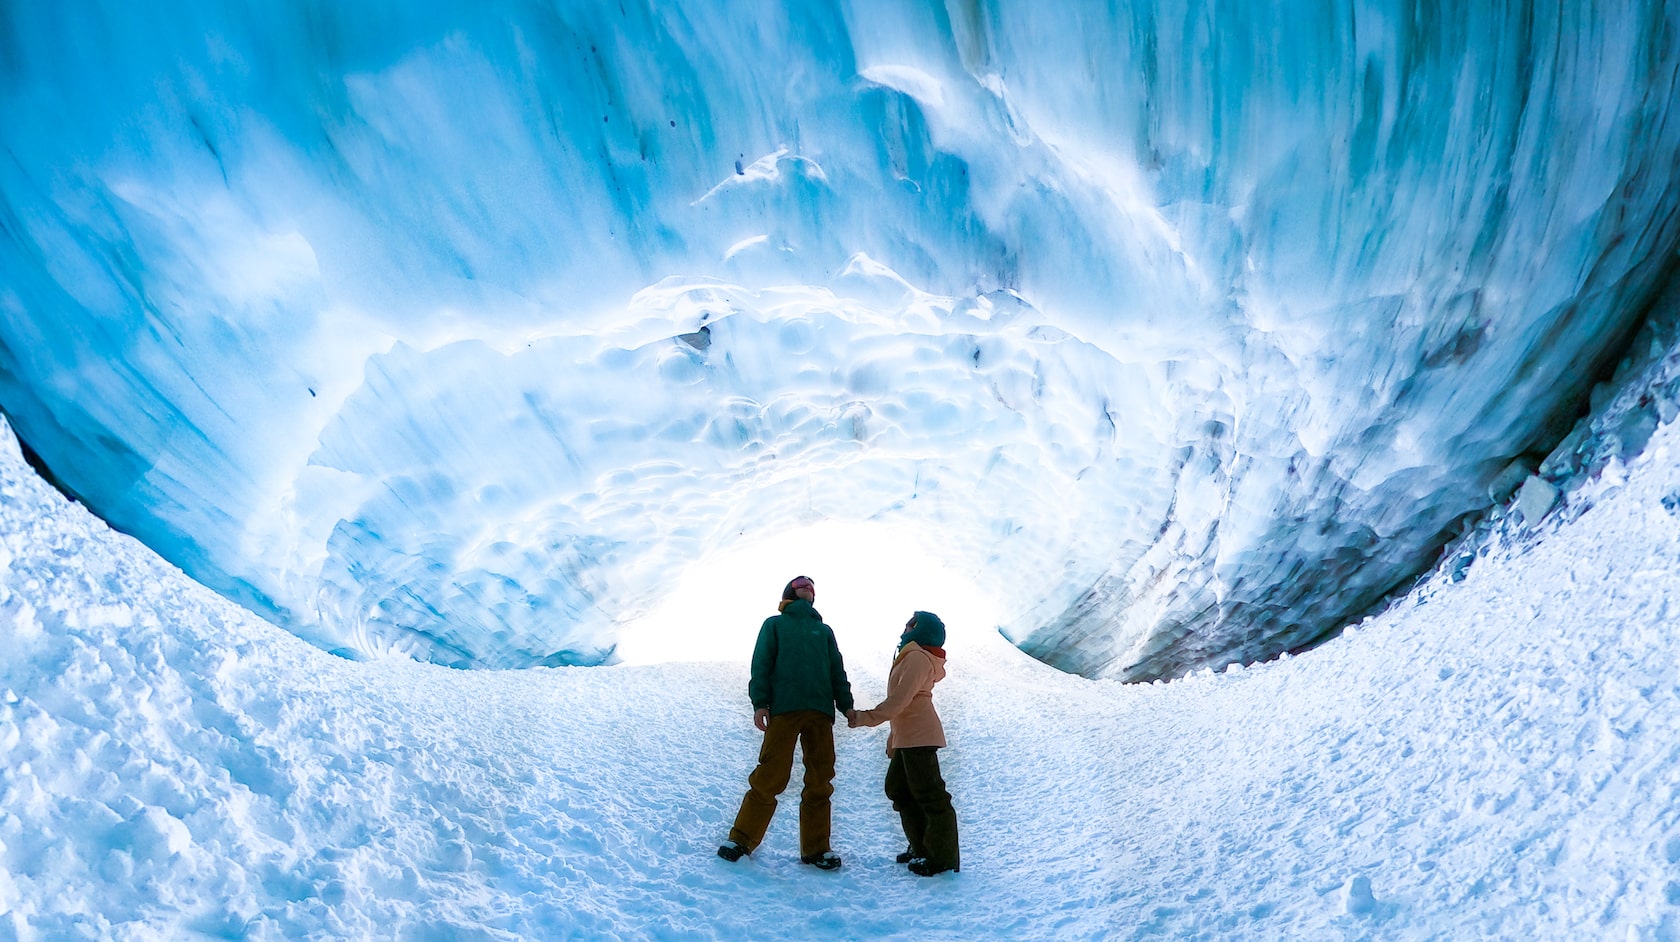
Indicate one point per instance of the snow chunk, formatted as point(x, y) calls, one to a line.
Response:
point(1357, 898)
point(1535, 498)
point(153, 833)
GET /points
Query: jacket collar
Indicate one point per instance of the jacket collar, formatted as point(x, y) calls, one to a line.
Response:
point(799, 608)
point(929, 650)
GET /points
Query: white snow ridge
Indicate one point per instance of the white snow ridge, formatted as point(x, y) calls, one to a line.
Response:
point(1493, 758)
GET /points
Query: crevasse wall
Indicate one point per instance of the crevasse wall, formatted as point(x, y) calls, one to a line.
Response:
point(453, 329)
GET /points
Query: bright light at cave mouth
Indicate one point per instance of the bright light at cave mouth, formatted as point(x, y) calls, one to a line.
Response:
point(869, 577)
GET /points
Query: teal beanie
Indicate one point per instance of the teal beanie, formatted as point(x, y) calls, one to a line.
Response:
point(926, 630)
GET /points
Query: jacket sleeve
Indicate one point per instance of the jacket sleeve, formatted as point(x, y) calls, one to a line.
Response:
point(763, 665)
point(908, 676)
point(837, 675)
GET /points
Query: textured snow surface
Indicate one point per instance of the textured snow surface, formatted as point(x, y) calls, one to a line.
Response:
point(1494, 758)
point(454, 328)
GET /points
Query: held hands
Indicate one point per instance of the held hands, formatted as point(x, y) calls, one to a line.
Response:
point(761, 719)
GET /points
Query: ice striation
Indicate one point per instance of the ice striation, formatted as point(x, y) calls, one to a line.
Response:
point(452, 329)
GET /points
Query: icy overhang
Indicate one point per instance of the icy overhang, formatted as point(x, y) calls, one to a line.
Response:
point(454, 330)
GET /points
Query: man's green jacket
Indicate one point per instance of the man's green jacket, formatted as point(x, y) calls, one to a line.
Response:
point(796, 664)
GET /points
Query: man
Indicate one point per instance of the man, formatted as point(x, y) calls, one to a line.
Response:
point(798, 679)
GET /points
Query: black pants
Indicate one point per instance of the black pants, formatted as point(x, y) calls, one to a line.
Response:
point(924, 807)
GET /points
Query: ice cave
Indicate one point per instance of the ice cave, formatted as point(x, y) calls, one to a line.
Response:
point(1232, 346)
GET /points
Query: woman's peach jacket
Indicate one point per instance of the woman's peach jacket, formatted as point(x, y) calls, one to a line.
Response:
point(909, 703)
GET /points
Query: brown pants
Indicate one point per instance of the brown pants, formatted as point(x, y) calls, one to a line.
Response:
point(814, 731)
point(924, 807)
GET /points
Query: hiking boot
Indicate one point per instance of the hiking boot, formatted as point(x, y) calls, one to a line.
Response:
point(827, 860)
point(731, 851)
point(924, 868)
point(908, 855)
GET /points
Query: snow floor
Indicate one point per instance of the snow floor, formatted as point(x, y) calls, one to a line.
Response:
point(1495, 759)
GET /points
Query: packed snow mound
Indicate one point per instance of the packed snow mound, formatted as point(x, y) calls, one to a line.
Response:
point(452, 329)
point(1492, 759)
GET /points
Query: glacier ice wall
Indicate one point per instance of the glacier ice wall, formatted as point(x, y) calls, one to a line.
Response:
point(454, 329)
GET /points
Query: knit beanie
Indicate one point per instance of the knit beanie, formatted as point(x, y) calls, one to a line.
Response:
point(926, 630)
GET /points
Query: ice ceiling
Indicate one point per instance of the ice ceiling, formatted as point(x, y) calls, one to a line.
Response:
point(450, 328)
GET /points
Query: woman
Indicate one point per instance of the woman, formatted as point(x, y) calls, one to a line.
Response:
point(913, 781)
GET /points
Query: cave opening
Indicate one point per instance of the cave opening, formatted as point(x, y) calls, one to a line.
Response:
point(869, 575)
